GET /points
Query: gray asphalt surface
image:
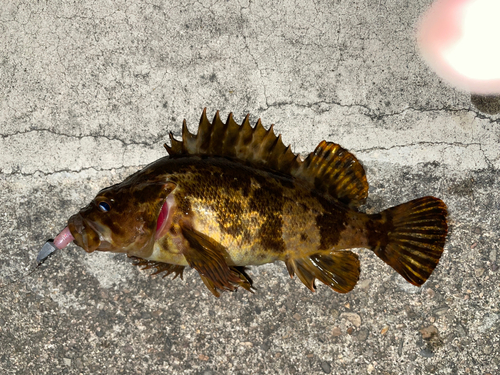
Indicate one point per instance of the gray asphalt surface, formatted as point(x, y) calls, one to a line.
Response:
point(88, 94)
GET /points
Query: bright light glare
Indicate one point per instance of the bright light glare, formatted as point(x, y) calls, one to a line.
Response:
point(473, 54)
point(460, 40)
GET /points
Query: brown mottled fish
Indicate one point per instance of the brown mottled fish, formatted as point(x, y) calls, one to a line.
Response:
point(234, 196)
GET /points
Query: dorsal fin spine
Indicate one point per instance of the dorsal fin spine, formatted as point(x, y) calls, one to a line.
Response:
point(330, 169)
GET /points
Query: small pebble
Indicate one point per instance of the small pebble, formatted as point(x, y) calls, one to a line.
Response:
point(67, 361)
point(461, 331)
point(441, 310)
point(362, 335)
point(426, 353)
point(400, 348)
point(336, 332)
point(353, 318)
point(429, 332)
point(335, 314)
point(325, 366)
point(265, 347)
point(364, 285)
point(430, 293)
point(384, 330)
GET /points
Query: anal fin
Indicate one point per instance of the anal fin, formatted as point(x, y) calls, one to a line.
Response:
point(339, 270)
point(208, 258)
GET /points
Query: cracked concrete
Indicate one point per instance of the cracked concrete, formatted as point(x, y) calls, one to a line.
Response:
point(89, 92)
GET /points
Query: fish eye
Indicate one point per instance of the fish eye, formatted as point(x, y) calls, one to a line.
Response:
point(104, 206)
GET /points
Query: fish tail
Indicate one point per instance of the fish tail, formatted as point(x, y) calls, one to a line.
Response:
point(410, 237)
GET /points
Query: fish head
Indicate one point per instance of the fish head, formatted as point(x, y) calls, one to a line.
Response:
point(122, 218)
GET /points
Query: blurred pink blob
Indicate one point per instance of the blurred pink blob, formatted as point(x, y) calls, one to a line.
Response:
point(459, 39)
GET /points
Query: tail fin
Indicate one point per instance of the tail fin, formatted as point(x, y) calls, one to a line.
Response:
point(410, 237)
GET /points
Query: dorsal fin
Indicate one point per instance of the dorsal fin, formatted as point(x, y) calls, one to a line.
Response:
point(334, 170)
point(330, 169)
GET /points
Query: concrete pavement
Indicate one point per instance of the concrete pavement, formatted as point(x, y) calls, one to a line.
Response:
point(89, 92)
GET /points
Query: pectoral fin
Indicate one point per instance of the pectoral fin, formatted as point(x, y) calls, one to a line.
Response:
point(244, 280)
point(159, 267)
point(208, 257)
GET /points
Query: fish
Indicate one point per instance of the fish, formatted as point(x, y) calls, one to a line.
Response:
point(234, 196)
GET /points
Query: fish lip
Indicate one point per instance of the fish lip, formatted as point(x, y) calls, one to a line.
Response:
point(84, 232)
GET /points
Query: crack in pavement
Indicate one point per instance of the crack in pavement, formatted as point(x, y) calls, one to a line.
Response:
point(374, 115)
point(4, 136)
point(361, 150)
point(460, 144)
point(38, 172)
point(487, 160)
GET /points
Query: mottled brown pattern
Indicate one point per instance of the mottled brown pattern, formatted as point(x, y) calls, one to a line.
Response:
point(222, 192)
point(231, 189)
point(378, 228)
point(270, 234)
point(230, 221)
point(268, 202)
point(331, 226)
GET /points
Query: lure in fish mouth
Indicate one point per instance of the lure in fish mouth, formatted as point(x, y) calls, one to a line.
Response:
point(234, 196)
point(85, 235)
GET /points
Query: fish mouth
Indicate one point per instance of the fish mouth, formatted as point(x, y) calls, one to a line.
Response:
point(84, 233)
